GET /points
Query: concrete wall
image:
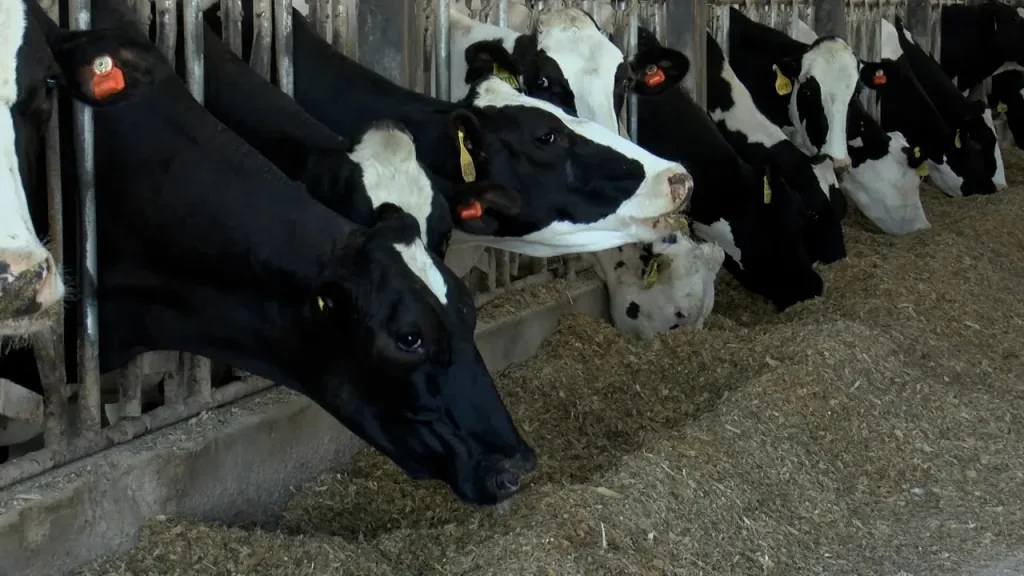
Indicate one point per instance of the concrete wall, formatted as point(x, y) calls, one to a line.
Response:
point(236, 464)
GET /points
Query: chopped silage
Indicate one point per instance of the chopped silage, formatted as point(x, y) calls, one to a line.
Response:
point(874, 431)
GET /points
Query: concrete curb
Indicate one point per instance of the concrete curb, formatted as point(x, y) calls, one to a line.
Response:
point(236, 464)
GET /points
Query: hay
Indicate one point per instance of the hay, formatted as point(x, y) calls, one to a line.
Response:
point(873, 431)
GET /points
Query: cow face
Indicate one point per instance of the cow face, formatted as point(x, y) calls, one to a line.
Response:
point(680, 291)
point(410, 379)
point(569, 62)
point(30, 282)
point(583, 188)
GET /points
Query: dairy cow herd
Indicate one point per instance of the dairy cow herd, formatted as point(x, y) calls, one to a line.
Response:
point(319, 241)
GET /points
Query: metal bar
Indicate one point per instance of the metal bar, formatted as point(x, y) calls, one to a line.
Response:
point(193, 17)
point(283, 46)
point(442, 81)
point(503, 13)
point(632, 40)
point(830, 17)
point(48, 346)
point(685, 22)
point(918, 21)
point(231, 24)
point(167, 27)
point(130, 387)
point(345, 32)
point(40, 461)
point(263, 36)
point(88, 329)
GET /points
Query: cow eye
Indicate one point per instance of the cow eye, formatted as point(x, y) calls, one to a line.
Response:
point(410, 342)
point(546, 138)
point(542, 82)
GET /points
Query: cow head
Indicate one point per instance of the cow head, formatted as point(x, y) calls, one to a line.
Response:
point(570, 62)
point(582, 187)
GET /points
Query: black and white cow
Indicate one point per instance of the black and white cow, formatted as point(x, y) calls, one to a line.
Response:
point(204, 246)
point(807, 87)
point(885, 178)
point(975, 163)
point(1006, 99)
point(568, 61)
point(31, 285)
point(759, 141)
point(979, 38)
point(582, 187)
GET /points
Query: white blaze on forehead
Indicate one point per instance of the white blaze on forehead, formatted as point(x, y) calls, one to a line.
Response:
point(587, 59)
point(391, 174)
point(16, 230)
point(836, 69)
point(886, 190)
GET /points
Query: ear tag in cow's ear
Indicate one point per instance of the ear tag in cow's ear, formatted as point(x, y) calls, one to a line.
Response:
point(471, 210)
point(107, 79)
point(956, 139)
point(782, 84)
point(767, 191)
point(1001, 108)
point(320, 303)
point(653, 76)
point(505, 76)
point(879, 78)
point(465, 160)
point(922, 168)
point(652, 275)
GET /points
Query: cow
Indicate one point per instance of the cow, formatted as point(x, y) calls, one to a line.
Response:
point(568, 61)
point(807, 87)
point(1006, 98)
point(975, 40)
point(31, 285)
point(759, 141)
point(650, 292)
point(206, 247)
point(975, 163)
point(885, 178)
point(582, 188)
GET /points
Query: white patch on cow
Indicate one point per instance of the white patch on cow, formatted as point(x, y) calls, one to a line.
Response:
point(999, 178)
point(891, 49)
point(720, 232)
point(799, 30)
point(683, 294)
point(635, 220)
point(826, 176)
point(587, 59)
point(744, 117)
point(887, 191)
point(391, 174)
point(856, 142)
point(833, 64)
point(945, 179)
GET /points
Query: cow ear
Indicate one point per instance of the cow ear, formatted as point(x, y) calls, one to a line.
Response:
point(488, 57)
point(875, 75)
point(105, 67)
point(657, 69)
point(468, 138)
point(475, 204)
point(790, 67)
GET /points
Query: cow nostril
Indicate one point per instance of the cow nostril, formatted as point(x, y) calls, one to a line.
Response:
point(505, 482)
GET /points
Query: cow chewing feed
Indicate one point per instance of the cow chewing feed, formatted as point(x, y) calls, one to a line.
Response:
point(31, 286)
point(884, 181)
point(974, 164)
point(676, 296)
point(582, 188)
point(205, 247)
point(761, 142)
point(807, 87)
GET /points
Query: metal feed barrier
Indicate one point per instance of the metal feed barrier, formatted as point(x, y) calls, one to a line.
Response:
point(406, 41)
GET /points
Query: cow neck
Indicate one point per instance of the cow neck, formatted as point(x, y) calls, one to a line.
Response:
point(961, 49)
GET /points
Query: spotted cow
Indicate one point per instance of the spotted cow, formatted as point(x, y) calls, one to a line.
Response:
point(1006, 99)
point(204, 246)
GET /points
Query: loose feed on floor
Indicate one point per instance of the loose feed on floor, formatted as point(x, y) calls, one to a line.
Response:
point(875, 431)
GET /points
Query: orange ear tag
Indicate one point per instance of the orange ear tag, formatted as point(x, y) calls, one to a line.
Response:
point(471, 210)
point(653, 76)
point(107, 79)
point(879, 78)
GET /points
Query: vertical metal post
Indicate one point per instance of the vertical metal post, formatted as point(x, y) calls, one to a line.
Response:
point(503, 13)
point(830, 17)
point(918, 21)
point(442, 51)
point(283, 45)
point(88, 331)
point(231, 24)
point(167, 27)
point(632, 40)
point(193, 17)
point(686, 31)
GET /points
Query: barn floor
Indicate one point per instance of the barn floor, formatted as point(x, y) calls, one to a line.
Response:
point(878, 430)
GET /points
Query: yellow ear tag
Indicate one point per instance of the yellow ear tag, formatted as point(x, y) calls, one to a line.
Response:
point(320, 303)
point(782, 84)
point(652, 275)
point(506, 77)
point(956, 139)
point(1001, 108)
point(468, 170)
point(767, 191)
point(922, 168)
